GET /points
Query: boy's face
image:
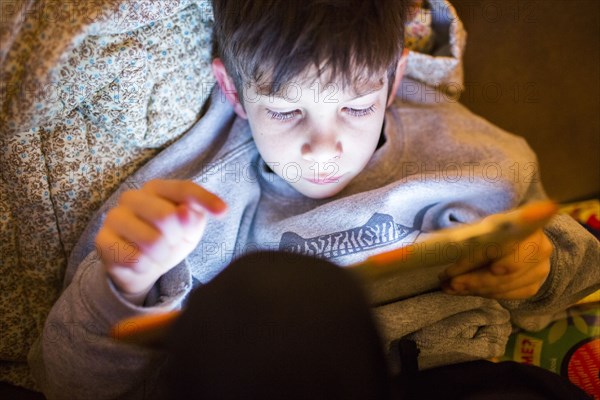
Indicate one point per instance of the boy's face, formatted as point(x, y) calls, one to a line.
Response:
point(316, 135)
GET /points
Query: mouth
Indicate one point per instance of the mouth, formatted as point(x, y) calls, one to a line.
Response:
point(326, 180)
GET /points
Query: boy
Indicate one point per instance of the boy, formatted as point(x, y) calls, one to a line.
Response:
point(310, 154)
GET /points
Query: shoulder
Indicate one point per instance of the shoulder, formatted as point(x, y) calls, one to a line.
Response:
point(448, 126)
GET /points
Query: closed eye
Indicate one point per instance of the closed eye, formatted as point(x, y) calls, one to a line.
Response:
point(360, 112)
point(282, 116)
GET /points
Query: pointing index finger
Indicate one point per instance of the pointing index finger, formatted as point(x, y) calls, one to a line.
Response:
point(187, 192)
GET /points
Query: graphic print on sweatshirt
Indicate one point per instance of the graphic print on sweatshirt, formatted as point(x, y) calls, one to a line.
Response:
point(379, 231)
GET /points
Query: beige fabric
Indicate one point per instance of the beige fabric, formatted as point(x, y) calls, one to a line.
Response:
point(442, 69)
point(90, 91)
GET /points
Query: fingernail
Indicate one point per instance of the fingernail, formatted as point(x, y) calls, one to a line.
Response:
point(449, 290)
point(453, 288)
point(458, 287)
point(219, 207)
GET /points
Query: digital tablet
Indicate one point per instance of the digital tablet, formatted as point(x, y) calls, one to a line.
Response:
point(480, 242)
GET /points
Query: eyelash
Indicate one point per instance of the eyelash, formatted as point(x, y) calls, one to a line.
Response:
point(282, 117)
point(361, 112)
point(286, 116)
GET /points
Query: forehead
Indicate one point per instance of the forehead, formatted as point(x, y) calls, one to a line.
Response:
point(358, 85)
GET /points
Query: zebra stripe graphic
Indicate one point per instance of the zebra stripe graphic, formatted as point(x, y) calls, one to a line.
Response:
point(380, 230)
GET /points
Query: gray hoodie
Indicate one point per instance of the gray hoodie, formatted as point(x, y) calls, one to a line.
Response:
point(439, 166)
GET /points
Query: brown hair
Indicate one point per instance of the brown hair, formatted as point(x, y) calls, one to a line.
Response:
point(271, 42)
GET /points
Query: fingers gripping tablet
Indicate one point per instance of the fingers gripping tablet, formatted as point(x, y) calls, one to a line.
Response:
point(498, 231)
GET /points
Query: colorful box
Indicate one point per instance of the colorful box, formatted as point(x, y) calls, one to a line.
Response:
point(569, 347)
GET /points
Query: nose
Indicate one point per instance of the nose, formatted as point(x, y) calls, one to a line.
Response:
point(322, 148)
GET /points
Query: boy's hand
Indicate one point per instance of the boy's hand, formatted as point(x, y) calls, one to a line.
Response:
point(517, 273)
point(151, 230)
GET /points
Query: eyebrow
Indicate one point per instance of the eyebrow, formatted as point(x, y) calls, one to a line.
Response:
point(372, 86)
point(369, 87)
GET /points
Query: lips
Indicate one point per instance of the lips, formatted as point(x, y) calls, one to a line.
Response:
point(325, 180)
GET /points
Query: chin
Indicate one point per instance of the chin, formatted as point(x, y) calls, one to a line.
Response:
point(320, 191)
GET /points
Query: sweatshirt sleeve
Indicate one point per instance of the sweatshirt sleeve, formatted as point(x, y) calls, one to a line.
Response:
point(574, 262)
point(76, 359)
point(574, 274)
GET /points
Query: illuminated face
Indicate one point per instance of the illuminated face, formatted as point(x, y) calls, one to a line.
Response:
point(317, 136)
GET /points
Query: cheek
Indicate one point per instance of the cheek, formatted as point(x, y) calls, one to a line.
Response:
point(366, 135)
point(271, 148)
point(275, 144)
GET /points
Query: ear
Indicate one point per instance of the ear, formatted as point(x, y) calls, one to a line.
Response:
point(398, 78)
point(227, 87)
